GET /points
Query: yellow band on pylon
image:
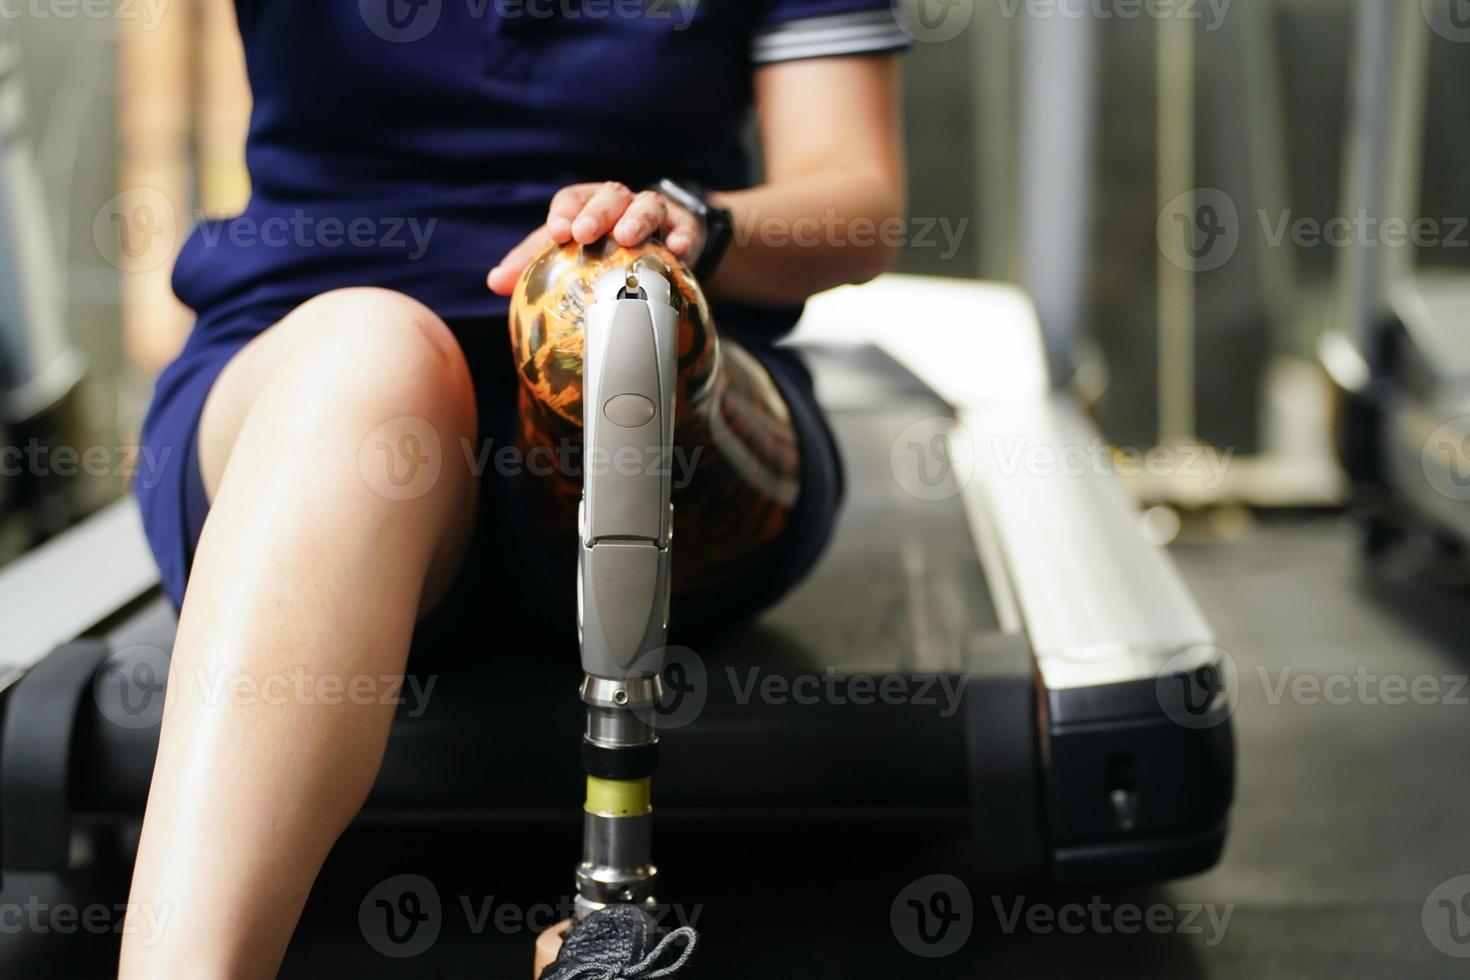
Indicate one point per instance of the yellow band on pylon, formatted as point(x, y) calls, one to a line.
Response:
point(619, 797)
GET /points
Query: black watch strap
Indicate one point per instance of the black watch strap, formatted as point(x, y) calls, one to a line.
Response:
point(719, 224)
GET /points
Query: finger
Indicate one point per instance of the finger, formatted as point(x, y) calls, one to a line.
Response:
point(683, 233)
point(565, 207)
point(502, 278)
point(643, 217)
point(601, 212)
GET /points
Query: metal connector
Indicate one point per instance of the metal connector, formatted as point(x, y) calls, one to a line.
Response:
point(617, 862)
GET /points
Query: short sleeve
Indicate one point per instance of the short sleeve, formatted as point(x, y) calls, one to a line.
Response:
point(787, 30)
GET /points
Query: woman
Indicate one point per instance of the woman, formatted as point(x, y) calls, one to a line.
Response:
point(395, 149)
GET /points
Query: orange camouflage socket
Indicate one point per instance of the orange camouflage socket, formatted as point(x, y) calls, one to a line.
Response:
point(735, 465)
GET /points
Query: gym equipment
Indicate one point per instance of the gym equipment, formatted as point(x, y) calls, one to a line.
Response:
point(990, 640)
point(1400, 355)
point(39, 366)
point(624, 526)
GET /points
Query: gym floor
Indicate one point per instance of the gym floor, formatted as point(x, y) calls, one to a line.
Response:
point(1350, 812)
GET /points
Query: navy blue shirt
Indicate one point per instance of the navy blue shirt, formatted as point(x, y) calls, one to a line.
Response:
point(409, 144)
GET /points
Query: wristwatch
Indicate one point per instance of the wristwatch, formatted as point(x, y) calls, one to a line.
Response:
point(719, 224)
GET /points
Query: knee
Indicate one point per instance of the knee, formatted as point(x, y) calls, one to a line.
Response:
point(388, 354)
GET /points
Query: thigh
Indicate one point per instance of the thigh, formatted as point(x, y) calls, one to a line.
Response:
point(335, 354)
point(330, 319)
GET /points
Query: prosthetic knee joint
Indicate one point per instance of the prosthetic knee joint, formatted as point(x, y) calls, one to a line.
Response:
point(625, 524)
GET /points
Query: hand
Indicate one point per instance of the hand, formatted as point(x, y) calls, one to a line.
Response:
point(586, 212)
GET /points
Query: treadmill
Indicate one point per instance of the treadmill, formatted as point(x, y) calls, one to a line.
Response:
point(1061, 693)
point(1400, 351)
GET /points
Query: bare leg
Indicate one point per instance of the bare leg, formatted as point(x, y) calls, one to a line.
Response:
point(311, 564)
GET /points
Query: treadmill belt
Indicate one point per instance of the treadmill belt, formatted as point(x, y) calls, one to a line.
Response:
point(900, 589)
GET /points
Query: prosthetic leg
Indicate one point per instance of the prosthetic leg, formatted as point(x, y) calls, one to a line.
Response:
point(625, 527)
point(616, 351)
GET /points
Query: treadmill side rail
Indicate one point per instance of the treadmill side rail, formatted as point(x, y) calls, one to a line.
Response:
point(1102, 611)
point(1133, 787)
point(73, 582)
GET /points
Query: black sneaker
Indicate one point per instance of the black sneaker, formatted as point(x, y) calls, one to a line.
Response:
point(622, 942)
